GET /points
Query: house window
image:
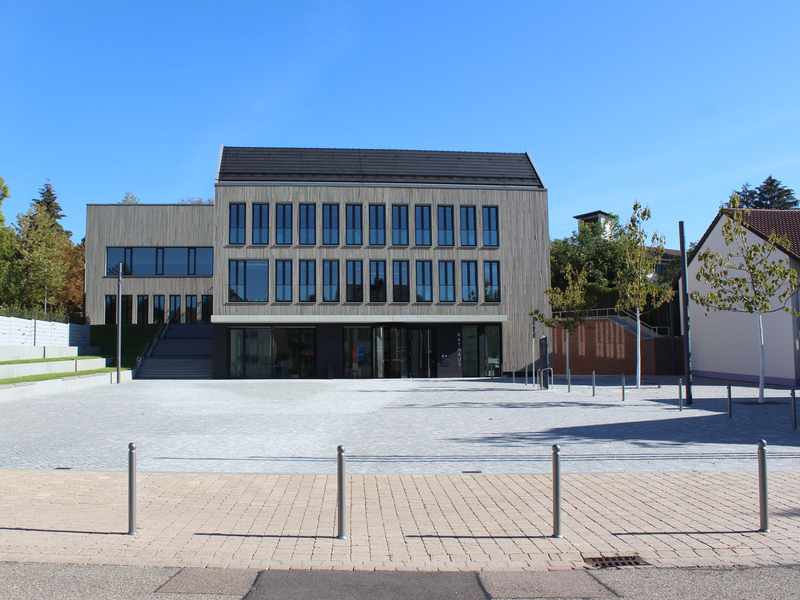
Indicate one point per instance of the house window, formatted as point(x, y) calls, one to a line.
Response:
point(469, 281)
point(261, 223)
point(491, 280)
point(447, 281)
point(158, 309)
point(283, 281)
point(248, 281)
point(111, 310)
point(330, 280)
point(237, 224)
point(283, 229)
point(353, 218)
point(377, 225)
point(142, 309)
point(446, 226)
point(377, 281)
point(399, 225)
point(308, 281)
point(422, 225)
point(191, 309)
point(468, 226)
point(308, 224)
point(355, 286)
point(491, 236)
point(424, 284)
point(330, 224)
point(400, 291)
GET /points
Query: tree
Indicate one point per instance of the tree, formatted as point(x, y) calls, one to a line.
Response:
point(49, 202)
point(746, 279)
point(771, 194)
point(637, 289)
point(195, 200)
point(572, 302)
point(6, 235)
point(70, 296)
point(129, 198)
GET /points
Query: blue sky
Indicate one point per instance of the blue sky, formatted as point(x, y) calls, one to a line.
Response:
point(674, 104)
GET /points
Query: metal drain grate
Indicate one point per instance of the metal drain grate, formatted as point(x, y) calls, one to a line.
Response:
point(602, 562)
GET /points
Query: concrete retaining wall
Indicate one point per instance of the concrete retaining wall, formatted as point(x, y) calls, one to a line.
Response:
point(54, 386)
point(59, 366)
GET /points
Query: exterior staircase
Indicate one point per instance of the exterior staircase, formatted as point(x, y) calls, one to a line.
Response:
point(185, 352)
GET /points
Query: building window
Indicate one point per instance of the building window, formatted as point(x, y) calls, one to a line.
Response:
point(355, 285)
point(142, 309)
point(237, 224)
point(377, 225)
point(469, 281)
point(353, 217)
point(422, 225)
point(446, 226)
point(330, 280)
point(468, 227)
point(491, 280)
point(170, 262)
point(400, 291)
point(491, 235)
point(158, 309)
point(114, 256)
point(261, 223)
point(207, 308)
point(248, 281)
point(330, 224)
point(283, 281)
point(447, 281)
point(308, 281)
point(111, 310)
point(424, 283)
point(174, 309)
point(308, 224)
point(283, 218)
point(377, 281)
point(399, 225)
point(191, 310)
point(127, 309)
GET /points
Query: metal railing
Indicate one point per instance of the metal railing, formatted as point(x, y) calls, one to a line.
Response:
point(604, 313)
point(148, 348)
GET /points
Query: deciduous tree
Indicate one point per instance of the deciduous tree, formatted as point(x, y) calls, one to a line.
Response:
point(129, 198)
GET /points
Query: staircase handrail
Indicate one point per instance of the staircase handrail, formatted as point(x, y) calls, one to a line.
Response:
point(148, 348)
point(599, 313)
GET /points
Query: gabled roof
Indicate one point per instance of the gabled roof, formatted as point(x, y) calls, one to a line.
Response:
point(319, 165)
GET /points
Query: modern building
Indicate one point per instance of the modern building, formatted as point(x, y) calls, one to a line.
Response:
point(339, 263)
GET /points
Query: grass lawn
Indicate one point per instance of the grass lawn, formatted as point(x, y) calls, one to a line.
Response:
point(41, 360)
point(56, 375)
point(134, 337)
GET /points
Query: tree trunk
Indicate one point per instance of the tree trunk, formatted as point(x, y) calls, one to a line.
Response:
point(638, 348)
point(761, 374)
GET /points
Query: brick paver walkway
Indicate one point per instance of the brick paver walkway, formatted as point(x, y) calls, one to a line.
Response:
point(402, 522)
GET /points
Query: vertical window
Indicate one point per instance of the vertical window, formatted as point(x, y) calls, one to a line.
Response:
point(422, 225)
point(308, 224)
point(446, 226)
point(377, 281)
point(174, 309)
point(330, 280)
point(469, 281)
point(248, 281)
point(447, 281)
point(283, 228)
point(400, 291)
point(330, 224)
point(354, 237)
point(283, 281)
point(355, 284)
point(127, 309)
point(468, 226)
point(190, 313)
point(424, 283)
point(142, 309)
point(237, 223)
point(308, 281)
point(399, 225)
point(111, 310)
point(261, 223)
point(377, 225)
point(159, 261)
point(207, 308)
point(491, 235)
point(158, 309)
point(491, 280)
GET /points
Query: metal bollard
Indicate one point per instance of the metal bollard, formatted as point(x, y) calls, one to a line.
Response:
point(794, 411)
point(623, 387)
point(762, 486)
point(680, 394)
point(132, 489)
point(556, 491)
point(730, 411)
point(341, 496)
point(569, 381)
point(592, 384)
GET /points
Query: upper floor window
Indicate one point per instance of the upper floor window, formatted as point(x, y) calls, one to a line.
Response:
point(355, 286)
point(491, 236)
point(424, 283)
point(330, 280)
point(261, 223)
point(377, 225)
point(446, 226)
point(237, 224)
point(283, 218)
point(469, 281)
point(399, 225)
point(308, 281)
point(353, 217)
point(175, 261)
point(308, 224)
point(422, 225)
point(400, 292)
point(248, 281)
point(468, 226)
point(491, 280)
point(330, 224)
point(447, 278)
point(283, 281)
point(377, 281)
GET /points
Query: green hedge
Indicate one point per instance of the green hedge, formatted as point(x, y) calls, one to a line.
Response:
point(134, 337)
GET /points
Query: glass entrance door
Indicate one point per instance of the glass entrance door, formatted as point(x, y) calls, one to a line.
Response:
point(421, 353)
point(395, 351)
point(469, 367)
point(492, 352)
